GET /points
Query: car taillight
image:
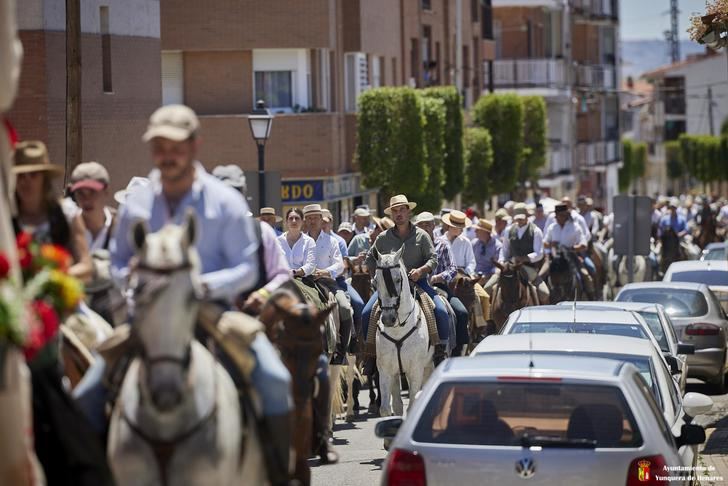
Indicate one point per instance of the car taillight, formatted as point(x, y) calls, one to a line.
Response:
point(702, 329)
point(643, 471)
point(405, 468)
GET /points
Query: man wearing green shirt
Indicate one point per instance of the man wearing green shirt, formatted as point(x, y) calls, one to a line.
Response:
point(420, 259)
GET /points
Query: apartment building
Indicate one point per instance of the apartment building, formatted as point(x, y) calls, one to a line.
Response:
point(309, 61)
point(120, 79)
point(567, 52)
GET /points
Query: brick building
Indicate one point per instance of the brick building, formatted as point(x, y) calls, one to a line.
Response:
point(120, 49)
point(309, 63)
point(567, 51)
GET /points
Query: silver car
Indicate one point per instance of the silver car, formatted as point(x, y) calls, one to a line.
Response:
point(698, 319)
point(714, 274)
point(553, 420)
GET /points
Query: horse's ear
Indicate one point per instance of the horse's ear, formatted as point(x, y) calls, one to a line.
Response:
point(398, 255)
point(324, 313)
point(139, 232)
point(190, 227)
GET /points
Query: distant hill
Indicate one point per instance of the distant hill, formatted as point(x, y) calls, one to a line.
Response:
point(640, 56)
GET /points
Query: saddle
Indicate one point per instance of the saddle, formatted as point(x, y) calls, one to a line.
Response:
point(428, 308)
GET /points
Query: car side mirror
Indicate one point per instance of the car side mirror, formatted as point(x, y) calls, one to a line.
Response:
point(683, 348)
point(690, 434)
point(673, 364)
point(696, 404)
point(388, 427)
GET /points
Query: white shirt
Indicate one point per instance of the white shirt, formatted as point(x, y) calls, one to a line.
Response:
point(575, 216)
point(723, 215)
point(328, 255)
point(98, 242)
point(462, 253)
point(570, 235)
point(364, 230)
point(302, 254)
point(535, 255)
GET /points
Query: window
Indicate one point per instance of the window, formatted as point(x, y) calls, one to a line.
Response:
point(654, 408)
point(486, 20)
point(466, 67)
point(426, 4)
point(677, 302)
point(105, 49)
point(275, 88)
point(376, 71)
point(414, 62)
point(172, 78)
point(474, 10)
point(708, 277)
point(652, 319)
point(625, 330)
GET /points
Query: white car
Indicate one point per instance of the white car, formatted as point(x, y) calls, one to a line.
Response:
point(639, 352)
point(548, 419)
point(661, 327)
point(712, 273)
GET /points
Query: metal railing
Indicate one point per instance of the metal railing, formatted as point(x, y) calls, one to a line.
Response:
point(595, 76)
point(528, 73)
point(595, 8)
point(597, 153)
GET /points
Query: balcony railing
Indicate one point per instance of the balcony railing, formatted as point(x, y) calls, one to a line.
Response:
point(528, 73)
point(560, 160)
point(594, 8)
point(597, 153)
point(595, 76)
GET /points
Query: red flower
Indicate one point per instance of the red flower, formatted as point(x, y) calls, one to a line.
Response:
point(25, 258)
point(48, 318)
point(4, 266)
point(43, 324)
point(24, 239)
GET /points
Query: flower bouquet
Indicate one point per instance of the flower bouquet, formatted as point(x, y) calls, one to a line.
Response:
point(711, 28)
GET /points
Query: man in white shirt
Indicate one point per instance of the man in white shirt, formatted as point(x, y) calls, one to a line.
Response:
point(523, 243)
point(502, 222)
point(90, 189)
point(575, 216)
point(362, 221)
point(568, 235)
point(460, 247)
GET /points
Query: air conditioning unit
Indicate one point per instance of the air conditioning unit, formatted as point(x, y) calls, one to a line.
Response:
point(357, 78)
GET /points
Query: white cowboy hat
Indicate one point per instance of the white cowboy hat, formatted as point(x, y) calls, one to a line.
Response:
point(270, 212)
point(424, 217)
point(312, 209)
point(399, 200)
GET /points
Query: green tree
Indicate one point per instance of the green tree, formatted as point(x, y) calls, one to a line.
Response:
point(535, 138)
point(434, 139)
point(374, 134)
point(408, 168)
point(453, 138)
point(639, 160)
point(478, 161)
point(673, 156)
point(624, 177)
point(502, 116)
point(724, 127)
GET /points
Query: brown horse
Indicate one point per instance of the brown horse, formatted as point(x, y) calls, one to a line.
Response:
point(462, 286)
point(296, 328)
point(362, 283)
point(513, 292)
point(707, 230)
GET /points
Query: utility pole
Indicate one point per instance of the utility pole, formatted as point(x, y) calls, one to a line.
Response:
point(459, 47)
point(710, 110)
point(73, 86)
point(674, 36)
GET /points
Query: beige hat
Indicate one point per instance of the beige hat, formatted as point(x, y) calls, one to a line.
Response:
point(32, 156)
point(520, 211)
point(424, 217)
point(386, 223)
point(312, 209)
point(399, 200)
point(89, 175)
point(270, 212)
point(345, 226)
point(457, 219)
point(327, 216)
point(502, 214)
point(362, 212)
point(174, 122)
point(484, 225)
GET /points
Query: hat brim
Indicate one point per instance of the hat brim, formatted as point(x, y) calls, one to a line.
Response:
point(170, 133)
point(480, 228)
point(28, 168)
point(311, 213)
point(92, 184)
point(278, 218)
point(465, 224)
point(120, 196)
point(411, 205)
point(516, 217)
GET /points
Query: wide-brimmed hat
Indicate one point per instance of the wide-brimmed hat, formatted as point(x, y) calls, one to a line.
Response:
point(363, 212)
point(502, 214)
point(386, 223)
point(399, 200)
point(173, 122)
point(32, 156)
point(270, 212)
point(134, 182)
point(345, 226)
point(89, 175)
point(425, 217)
point(484, 225)
point(520, 211)
point(326, 215)
point(312, 209)
point(457, 219)
point(231, 175)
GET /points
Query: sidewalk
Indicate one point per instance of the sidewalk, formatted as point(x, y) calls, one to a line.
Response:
point(714, 454)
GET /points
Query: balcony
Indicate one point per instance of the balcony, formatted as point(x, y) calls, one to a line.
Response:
point(528, 73)
point(595, 9)
point(595, 76)
point(589, 155)
point(560, 160)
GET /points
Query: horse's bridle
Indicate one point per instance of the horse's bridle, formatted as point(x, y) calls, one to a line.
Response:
point(392, 290)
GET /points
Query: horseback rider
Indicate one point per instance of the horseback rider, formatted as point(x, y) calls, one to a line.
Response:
point(268, 215)
point(591, 216)
point(487, 251)
point(502, 222)
point(360, 243)
point(578, 219)
point(673, 221)
point(227, 248)
point(524, 244)
point(443, 275)
point(566, 234)
point(362, 221)
point(419, 259)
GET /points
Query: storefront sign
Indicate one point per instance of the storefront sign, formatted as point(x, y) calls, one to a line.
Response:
point(302, 191)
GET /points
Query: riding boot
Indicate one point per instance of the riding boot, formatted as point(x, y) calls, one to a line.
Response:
point(342, 345)
point(440, 353)
point(321, 413)
point(277, 430)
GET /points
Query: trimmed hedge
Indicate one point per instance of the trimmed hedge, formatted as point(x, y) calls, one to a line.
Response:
point(535, 137)
point(453, 138)
point(478, 161)
point(433, 110)
point(704, 157)
point(673, 156)
point(634, 163)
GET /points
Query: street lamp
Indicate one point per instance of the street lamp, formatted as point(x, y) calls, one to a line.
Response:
point(260, 124)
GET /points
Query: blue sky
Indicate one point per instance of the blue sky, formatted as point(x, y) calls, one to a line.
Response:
point(644, 19)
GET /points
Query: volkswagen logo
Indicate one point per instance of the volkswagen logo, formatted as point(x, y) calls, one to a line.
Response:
point(525, 468)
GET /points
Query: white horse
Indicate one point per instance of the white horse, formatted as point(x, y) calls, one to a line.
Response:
point(403, 342)
point(177, 420)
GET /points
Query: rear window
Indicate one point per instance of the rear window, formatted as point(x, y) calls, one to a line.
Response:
point(715, 254)
point(707, 277)
point(501, 414)
point(677, 302)
point(653, 320)
point(627, 330)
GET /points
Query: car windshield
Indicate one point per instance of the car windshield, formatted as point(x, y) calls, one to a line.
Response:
point(677, 302)
point(528, 414)
point(653, 320)
point(707, 277)
point(715, 254)
point(628, 330)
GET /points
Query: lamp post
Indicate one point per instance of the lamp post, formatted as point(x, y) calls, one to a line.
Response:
point(260, 124)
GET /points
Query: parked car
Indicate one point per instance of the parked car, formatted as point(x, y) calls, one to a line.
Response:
point(715, 251)
point(698, 320)
point(661, 327)
point(714, 274)
point(564, 420)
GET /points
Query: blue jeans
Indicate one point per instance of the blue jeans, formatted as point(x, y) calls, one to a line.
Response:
point(590, 267)
point(270, 378)
point(441, 315)
point(357, 304)
point(462, 336)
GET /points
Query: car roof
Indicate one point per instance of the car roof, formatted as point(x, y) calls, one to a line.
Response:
point(514, 364)
point(563, 313)
point(627, 306)
point(720, 245)
point(566, 342)
point(708, 265)
point(665, 285)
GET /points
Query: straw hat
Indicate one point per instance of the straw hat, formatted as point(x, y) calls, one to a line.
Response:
point(345, 226)
point(484, 225)
point(270, 212)
point(312, 209)
point(363, 212)
point(399, 200)
point(520, 211)
point(386, 223)
point(32, 156)
point(457, 219)
point(425, 217)
point(327, 216)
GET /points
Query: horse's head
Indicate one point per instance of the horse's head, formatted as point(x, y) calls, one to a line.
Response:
point(463, 287)
point(508, 281)
point(392, 284)
point(290, 321)
point(166, 292)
